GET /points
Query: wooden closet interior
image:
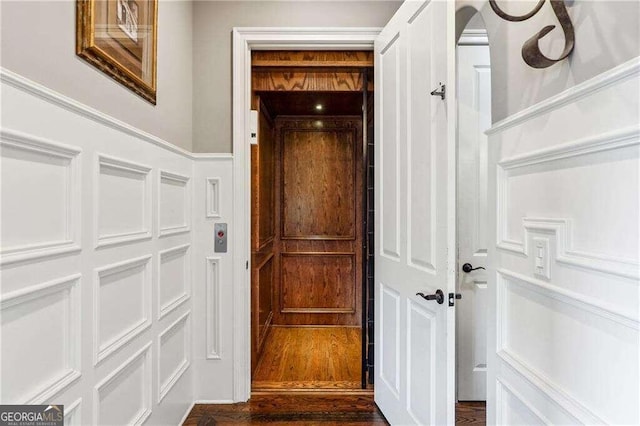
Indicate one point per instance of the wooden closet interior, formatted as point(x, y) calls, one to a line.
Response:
point(311, 219)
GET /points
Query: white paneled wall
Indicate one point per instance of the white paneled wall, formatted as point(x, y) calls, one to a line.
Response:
point(111, 293)
point(564, 183)
point(213, 292)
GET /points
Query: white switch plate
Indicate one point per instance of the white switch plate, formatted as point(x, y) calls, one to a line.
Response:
point(541, 257)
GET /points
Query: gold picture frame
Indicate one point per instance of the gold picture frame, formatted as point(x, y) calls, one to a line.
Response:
point(119, 37)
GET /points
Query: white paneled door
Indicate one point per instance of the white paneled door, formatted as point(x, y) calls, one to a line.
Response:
point(414, 227)
point(474, 118)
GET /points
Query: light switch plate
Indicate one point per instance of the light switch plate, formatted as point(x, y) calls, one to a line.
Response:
point(541, 257)
point(220, 237)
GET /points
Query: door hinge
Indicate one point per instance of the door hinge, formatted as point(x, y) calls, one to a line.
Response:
point(247, 265)
point(453, 297)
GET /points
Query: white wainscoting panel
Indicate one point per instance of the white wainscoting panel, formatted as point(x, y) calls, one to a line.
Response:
point(174, 349)
point(212, 317)
point(214, 305)
point(124, 396)
point(564, 272)
point(174, 212)
point(49, 314)
point(174, 279)
point(122, 304)
point(82, 196)
point(73, 413)
point(123, 201)
point(213, 197)
point(41, 201)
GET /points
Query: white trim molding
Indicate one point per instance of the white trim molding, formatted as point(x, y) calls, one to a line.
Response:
point(144, 173)
point(72, 340)
point(103, 350)
point(145, 397)
point(474, 37)
point(608, 78)
point(244, 41)
point(182, 251)
point(213, 307)
point(212, 197)
point(165, 387)
point(561, 227)
point(12, 139)
point(182, 181)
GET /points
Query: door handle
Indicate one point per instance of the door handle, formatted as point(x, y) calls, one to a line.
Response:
point(438, 296)
point(467, 267)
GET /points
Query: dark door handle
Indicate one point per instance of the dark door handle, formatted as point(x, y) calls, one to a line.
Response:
point(467, 267)
point(438, 296)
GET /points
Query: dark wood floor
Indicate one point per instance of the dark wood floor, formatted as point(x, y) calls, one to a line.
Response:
point(309, 408)
point(310, 358)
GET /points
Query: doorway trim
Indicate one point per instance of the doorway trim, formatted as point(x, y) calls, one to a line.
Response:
point(246, 39)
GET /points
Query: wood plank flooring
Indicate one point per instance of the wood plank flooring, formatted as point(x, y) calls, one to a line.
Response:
point(311, 409)
point(304, 377)
point(327, 358)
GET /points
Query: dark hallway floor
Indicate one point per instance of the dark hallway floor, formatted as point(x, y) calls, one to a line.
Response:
point(307, 408)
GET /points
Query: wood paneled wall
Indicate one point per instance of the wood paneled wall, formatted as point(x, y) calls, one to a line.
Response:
point(263, 230)
point(319, 237)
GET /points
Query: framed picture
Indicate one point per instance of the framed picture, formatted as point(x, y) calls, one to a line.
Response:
point(119, 38)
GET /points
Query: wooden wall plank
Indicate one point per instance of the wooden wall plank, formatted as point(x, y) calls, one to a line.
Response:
point(311, 58)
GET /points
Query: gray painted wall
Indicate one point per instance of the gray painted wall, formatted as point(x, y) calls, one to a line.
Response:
point(607, 34)
point(213, 22)
point(38, 42)
point(194, 55)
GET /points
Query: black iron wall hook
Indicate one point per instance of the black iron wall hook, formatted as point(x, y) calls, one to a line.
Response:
point(531, 50)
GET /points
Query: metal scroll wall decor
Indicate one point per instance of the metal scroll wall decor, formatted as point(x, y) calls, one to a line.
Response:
point(531, 50)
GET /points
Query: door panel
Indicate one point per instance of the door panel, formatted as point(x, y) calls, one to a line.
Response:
point(320, 208)
point(474, 118)
point(413, 183)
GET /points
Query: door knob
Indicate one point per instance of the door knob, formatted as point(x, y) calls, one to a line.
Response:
point(438, 296)
point(467, 267)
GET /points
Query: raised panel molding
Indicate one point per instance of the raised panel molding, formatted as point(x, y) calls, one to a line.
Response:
point(213, 306)
point(71, 335)
point(28, 145)
point(118, 376)
point(166, 307)
point(173, 179)
point(422, 176)
point(304, 282)
point(164, 386)
point(580, 91)
point(391, 319)
point(419, 358)
point(389, 218)
point(102, 349)
point(552, 392)
point(502, 389)
point(73, 413)
point(213, 197)
point(565, 253)
point(544, 384)
point(128, 171)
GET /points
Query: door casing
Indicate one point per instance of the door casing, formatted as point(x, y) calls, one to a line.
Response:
point(244, 41)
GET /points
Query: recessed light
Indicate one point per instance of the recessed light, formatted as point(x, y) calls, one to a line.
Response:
point(319, 107)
